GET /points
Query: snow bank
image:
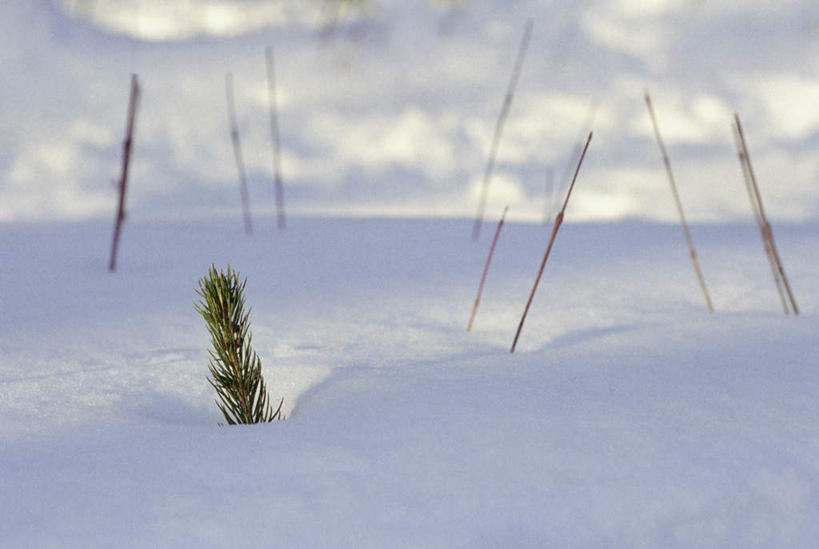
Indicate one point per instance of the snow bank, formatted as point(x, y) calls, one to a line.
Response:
point(628, 417)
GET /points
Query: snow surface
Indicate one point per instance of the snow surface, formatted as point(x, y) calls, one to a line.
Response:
point(628, 417)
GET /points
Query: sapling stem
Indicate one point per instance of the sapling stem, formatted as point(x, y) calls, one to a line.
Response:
point(486, 269)
point(555, 228)
point(493, 151)
point(678, 203)
point(133, 102)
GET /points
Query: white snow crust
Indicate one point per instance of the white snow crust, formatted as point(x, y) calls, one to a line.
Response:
point(628, 417)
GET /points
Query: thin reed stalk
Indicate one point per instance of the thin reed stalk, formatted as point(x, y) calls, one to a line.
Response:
point(486, 269)
point(767, 233)
point(549, 195)
point(758, 218)
point(558, 222)
point(673, 184)
point(237, 152)
point(591, 114)
point(274, 133)
point(133, 103)
point(493, 151)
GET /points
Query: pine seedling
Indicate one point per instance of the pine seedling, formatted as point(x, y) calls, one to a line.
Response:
point(235, 369)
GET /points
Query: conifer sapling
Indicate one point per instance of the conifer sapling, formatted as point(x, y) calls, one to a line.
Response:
point(235, 369)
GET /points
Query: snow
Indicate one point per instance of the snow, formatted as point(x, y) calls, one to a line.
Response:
point(629, 416)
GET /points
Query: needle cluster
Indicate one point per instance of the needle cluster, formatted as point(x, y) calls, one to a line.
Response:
point(235, 369)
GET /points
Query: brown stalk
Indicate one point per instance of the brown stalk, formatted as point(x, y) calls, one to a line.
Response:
point(274, 132)
point(766, 227)
point(549, 195)
point(126, 160)
point(237, 152)
point(558, 222)
point(578, 145)
point(758, 218)
point(486, 269)
point(691, 251)
point(493, 152)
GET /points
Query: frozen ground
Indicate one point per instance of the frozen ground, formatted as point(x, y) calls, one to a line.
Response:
point(629, 417)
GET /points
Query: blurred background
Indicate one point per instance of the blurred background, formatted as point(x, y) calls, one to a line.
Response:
point(388, 107)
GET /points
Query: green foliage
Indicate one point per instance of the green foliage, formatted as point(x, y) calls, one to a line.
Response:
point(235, 369)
